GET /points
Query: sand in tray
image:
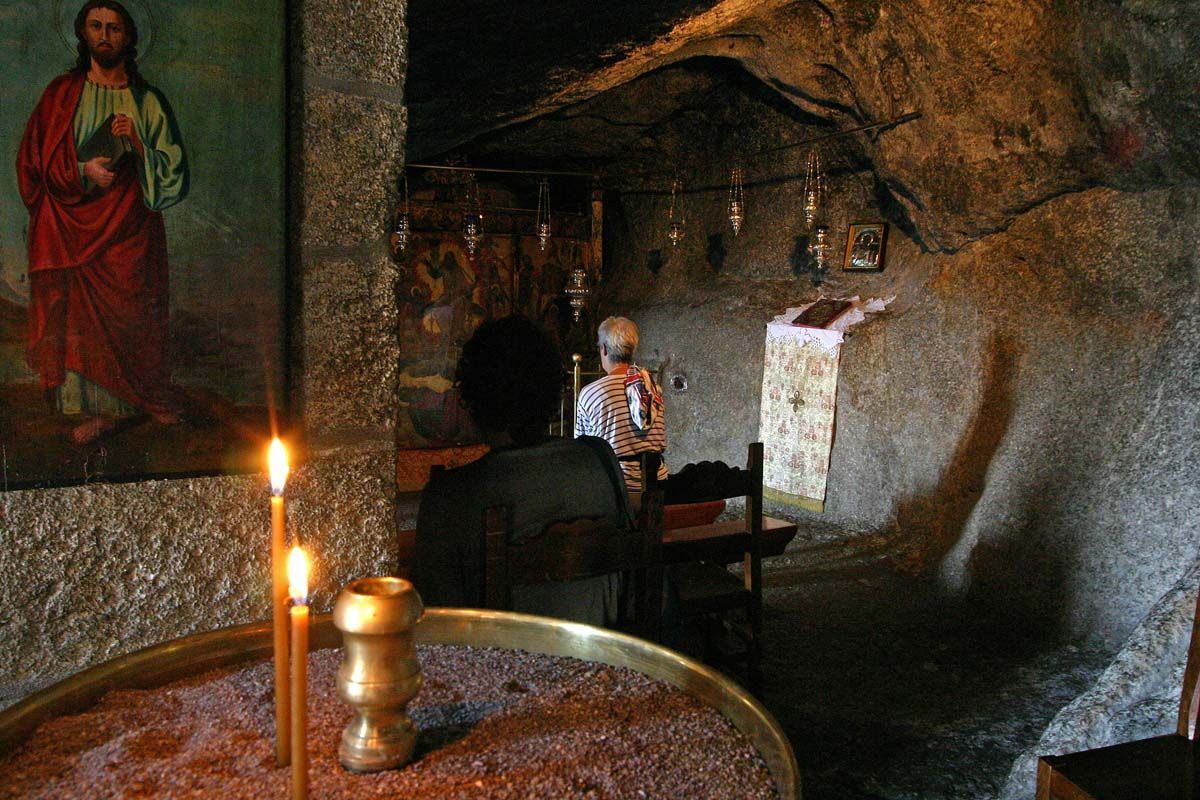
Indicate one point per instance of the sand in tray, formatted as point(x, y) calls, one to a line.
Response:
point(493, 724)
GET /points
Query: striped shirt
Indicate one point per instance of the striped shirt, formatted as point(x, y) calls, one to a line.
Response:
point(603, 411)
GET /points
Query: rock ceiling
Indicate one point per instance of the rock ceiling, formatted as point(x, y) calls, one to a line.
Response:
point(1020, 101)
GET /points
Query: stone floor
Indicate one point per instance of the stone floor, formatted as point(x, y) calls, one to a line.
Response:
point(889, 691)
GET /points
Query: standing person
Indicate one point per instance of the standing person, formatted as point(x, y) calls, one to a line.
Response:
point(625, 407)
point(98, 270)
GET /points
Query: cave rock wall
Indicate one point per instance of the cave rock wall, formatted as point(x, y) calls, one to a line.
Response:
point(1021, 421)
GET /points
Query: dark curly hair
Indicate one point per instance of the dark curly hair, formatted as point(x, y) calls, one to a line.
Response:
point(84, 61)
point(510, 377)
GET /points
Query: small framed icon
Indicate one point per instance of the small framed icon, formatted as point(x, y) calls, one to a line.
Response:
point(866, 246)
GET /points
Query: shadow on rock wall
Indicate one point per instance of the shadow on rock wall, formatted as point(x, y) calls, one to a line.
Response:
point(932, 523)
point(1018, 571)
point(1025, 574)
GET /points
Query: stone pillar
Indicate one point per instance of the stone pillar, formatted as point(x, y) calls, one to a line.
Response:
point(348, 126)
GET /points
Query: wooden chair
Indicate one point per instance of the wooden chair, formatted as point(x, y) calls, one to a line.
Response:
point(582, 548)
point(709, 591)
point(1160, 768)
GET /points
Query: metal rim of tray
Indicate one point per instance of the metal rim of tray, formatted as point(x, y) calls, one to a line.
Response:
point(200, 652)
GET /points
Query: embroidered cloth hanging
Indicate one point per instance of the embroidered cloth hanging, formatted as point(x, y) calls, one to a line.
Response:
point(799, 395)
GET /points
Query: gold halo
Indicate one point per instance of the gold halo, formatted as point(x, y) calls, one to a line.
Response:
point(142, 12)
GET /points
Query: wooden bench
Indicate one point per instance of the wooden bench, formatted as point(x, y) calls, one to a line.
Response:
point(715, 542)
point(724, 541)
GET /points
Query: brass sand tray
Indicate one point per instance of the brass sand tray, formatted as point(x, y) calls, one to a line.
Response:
point(455, 722)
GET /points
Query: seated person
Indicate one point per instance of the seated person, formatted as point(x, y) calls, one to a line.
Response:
point(625, 407)
point(510, 379)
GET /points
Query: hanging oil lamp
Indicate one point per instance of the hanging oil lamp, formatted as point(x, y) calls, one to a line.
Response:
point(814, 187)
point(402, 225)
point(473, 219)
point(737, 199)
point(543, 214)
point(400, 233)
point(819, 249)
point(577, 291)
point(675, 219)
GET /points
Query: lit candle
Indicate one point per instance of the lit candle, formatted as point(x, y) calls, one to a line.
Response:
point(298, 587)
point(277, 459)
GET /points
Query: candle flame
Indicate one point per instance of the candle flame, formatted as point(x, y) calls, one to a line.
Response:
point(278, 463)
point(297, 571)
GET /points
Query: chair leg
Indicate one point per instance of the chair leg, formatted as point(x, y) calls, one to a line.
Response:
point(1045, 777)
point(714, 629)
point(754, 658)
point(756, 680)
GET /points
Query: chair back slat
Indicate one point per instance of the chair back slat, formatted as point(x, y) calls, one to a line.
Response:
point(578, 549)
point(648, 589)
point(650, 463)
point(1189, 701)
point(715, 480)
point(496, 590)
point(573, 550)
point(754, 513)
point(710, 480)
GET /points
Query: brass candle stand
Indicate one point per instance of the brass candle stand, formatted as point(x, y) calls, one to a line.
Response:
point(380, 673)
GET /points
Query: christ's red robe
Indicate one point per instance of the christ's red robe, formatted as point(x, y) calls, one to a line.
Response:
point(97, 265)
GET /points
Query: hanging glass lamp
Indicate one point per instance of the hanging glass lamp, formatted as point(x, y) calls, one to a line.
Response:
point(577, 291)
point(675, 218)
point(819, 249)
point(737, 199)
point(814, 187)
point(400, 229)
point(543, 214)
point(473, 219)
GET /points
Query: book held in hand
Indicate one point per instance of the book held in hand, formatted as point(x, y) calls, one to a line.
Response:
point(104, 144)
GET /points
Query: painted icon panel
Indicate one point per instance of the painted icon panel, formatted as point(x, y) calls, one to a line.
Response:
point(142, 237)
